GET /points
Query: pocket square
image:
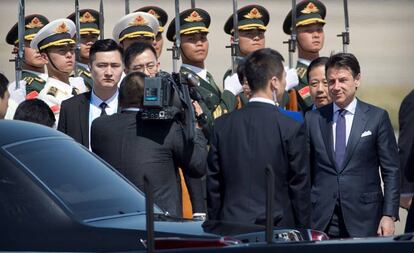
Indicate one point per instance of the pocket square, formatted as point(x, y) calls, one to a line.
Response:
point(366, 133)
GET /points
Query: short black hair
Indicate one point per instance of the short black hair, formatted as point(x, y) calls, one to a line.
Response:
point(240, 70)
point(261, 66)
point(105, 45)
point(36, 111)
point(320, 61)
point(137, 49)
point(131, 90)
point(4, 82)
point(344, 60)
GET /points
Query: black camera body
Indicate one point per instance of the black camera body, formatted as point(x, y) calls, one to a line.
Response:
point(162, 98)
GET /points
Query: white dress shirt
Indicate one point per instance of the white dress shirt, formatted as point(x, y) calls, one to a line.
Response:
point(262, 100)
point(349, 118)
point(95, 109)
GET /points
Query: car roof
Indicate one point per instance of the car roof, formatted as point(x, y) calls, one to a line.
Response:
point(12, 131)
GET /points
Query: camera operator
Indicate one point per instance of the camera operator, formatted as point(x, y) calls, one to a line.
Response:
point(141, 57)
point(155, 148)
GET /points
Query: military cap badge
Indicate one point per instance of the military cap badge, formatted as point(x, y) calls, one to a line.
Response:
point(139, 20)
point(154, 13)
point(310, 8)
point(62, 28)
point(253, 14)
point(194, 17)
point(87, 17)
point(34, 23)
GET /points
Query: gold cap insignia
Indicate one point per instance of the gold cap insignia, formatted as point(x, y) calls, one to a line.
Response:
point(310, 8)
point(87, 18)
point(139, 21)
point(254, 13)
point(194, 17)
point(35, 23)
point(62, 28)
point(154, 13)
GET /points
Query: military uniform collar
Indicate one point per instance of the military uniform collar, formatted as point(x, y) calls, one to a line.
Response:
point(199, 71)
point(304, 61)
point(43, 76)
point(85, 66)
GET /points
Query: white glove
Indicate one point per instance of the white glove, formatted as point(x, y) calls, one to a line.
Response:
point(292, 79)
point(232, 84)
point(16, 97)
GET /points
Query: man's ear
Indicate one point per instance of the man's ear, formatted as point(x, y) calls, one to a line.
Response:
point(358, 80)
point(126, 71)
point(45, 57)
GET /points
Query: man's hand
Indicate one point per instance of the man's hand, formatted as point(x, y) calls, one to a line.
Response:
point(232, 84)
point(386, 226)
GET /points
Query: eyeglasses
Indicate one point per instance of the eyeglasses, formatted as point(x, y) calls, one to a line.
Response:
point(151, 67)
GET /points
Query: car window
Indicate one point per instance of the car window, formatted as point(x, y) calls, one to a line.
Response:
point(87, 186)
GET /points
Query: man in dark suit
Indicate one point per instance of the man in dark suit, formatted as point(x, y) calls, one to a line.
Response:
point(245, 141)
point(350, 143)
point(77, 113)
point(138, 147)
point(405, 145)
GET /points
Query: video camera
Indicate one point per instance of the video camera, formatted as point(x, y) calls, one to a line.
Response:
point(161, 98)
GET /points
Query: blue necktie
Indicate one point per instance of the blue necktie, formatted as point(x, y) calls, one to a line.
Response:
point(340, 141)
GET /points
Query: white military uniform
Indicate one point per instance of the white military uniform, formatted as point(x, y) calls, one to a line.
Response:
point(56, 91)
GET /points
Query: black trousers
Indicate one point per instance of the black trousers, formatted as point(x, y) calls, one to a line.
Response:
point(409, 225)
point(336, 227)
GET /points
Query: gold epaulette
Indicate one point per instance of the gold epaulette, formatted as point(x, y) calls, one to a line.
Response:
point(28, 79)
point(85, 73)
point(301, 71)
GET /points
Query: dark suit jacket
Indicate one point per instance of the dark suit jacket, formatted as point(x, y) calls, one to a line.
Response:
point(244, 142)
point(153, 148)
point(406, 150)
point(357, 183)
point(74, 118)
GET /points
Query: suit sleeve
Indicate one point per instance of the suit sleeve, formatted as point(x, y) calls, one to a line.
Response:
point(405, 141)
point(62, 118)
point(214, 181)
point(299, 179)
point(193, 161)
point(388, 158)
point(191, 157)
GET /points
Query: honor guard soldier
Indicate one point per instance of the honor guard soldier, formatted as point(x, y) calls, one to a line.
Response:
point(89, 33)
point(33, 65)
point(135, 27)
point(252, 25)
point(162, 17)
point(310, 19)
point(56, 45)
point(194, 24)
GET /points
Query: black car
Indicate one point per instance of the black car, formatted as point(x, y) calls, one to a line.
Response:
point(55, 195)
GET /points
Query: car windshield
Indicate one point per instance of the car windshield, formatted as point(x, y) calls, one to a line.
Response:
point(87, 186)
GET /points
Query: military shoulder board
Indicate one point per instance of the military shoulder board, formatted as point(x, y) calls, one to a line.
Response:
point(28, 79)
point(301, 71)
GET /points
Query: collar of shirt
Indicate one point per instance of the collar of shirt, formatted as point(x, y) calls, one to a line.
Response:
point(44, 76)
point(349, 109)
point(262, 100)
point(199, 71)
point(130, 109)
point(112, 102)
point(86, 66)
point(304, 61)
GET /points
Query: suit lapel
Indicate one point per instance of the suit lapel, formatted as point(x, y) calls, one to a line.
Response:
point(358, 126)
point(325, 122)
point(84, 117)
